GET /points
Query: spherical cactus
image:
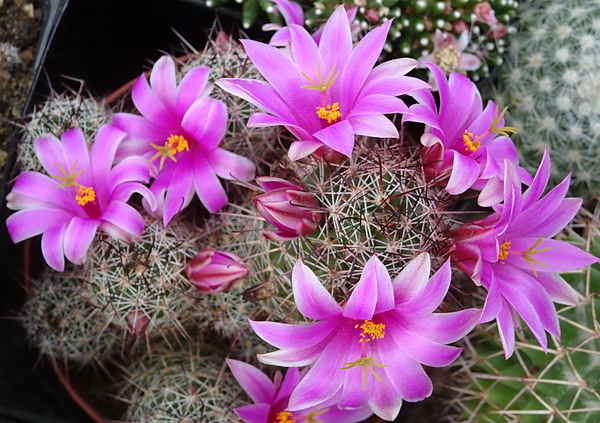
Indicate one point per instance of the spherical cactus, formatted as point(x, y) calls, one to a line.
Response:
point(62, 322)
point(190, 384)
point(377, 202)
point(550, 80)
point(142, 285)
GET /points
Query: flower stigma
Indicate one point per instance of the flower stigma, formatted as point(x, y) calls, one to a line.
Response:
point(504, 250)
point(329, 112)
point(85, 195)
point(532, 250)
point(503, 130)
point(447, 59)
point(174, 144)
point(68, 178)
point(284, 417)
point(365, 363)
point(321, 86)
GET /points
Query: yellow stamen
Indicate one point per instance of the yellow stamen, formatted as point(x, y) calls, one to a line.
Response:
point(447, 59)
point(284, 417)
point(321, 86)
point(365, 363)
point(174, 144)
point(68, 178)
point(329, 112)
point(371, 331)
point(470, 143)
point(530, 251)
point(503, 130)
point(85, 195)
point(504, 250)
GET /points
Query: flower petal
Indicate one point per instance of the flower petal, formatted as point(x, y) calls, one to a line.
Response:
point(299, 336)
point(29, 223)
point(465, 172)
point(162, 80)
point(444, 327)
point(207, 185)
point(103, 153)
point(372, 294)
point(78, 237)
point(338, 137)
point(191, 88)
point(150, 106)
point(52, 247)
point(430, 297)
point(228, 165)
point(412, 279)
point(257, 385)
point(124, 217)
point(206, 121)
point(312, 299)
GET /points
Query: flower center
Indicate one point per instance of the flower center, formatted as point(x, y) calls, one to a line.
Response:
point(447, 59)
point(527, 254)
point(371, 331)
point(174, 144)
point(504, 250)
point(85, 195)
point(284, 417)
point(471, 141)
point(329, 112)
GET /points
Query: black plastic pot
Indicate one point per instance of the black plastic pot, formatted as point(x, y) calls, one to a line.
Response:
point(106, 44)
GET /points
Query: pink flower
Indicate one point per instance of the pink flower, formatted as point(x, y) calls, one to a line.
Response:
point(179, 133)
point(271, 399)
point(330, 91)
point(84, 194)
point(448, 53)
point(462, 143)
point(511, 254)
point(370, 349)
point(215, 271)
point(288, 207)
point(485, 13)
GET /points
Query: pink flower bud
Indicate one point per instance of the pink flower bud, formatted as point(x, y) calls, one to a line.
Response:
point(372, 15)
point(498, 31)
point(137, 322)
point(485, 12)
point(215, 271)
point(289, 208)
point(460, 26)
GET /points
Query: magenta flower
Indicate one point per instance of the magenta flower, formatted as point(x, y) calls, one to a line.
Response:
point(83, 194)
point(511, 254)
point(271, 399)
point(292, 14)
point(179, 133)
point(448, 53)
point(370, 349)
point(329, 92)
point(292, 210)
point(215, 271)
point(461, 138)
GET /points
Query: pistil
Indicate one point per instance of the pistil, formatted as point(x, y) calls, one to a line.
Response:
point(174, 144)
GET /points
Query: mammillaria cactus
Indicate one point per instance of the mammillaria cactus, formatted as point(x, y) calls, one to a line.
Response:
point(63, 324)
point(304, 256)
point(551, 88)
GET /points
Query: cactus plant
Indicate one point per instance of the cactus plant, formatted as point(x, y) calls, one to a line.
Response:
point(63, 324)
point(551, 89)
